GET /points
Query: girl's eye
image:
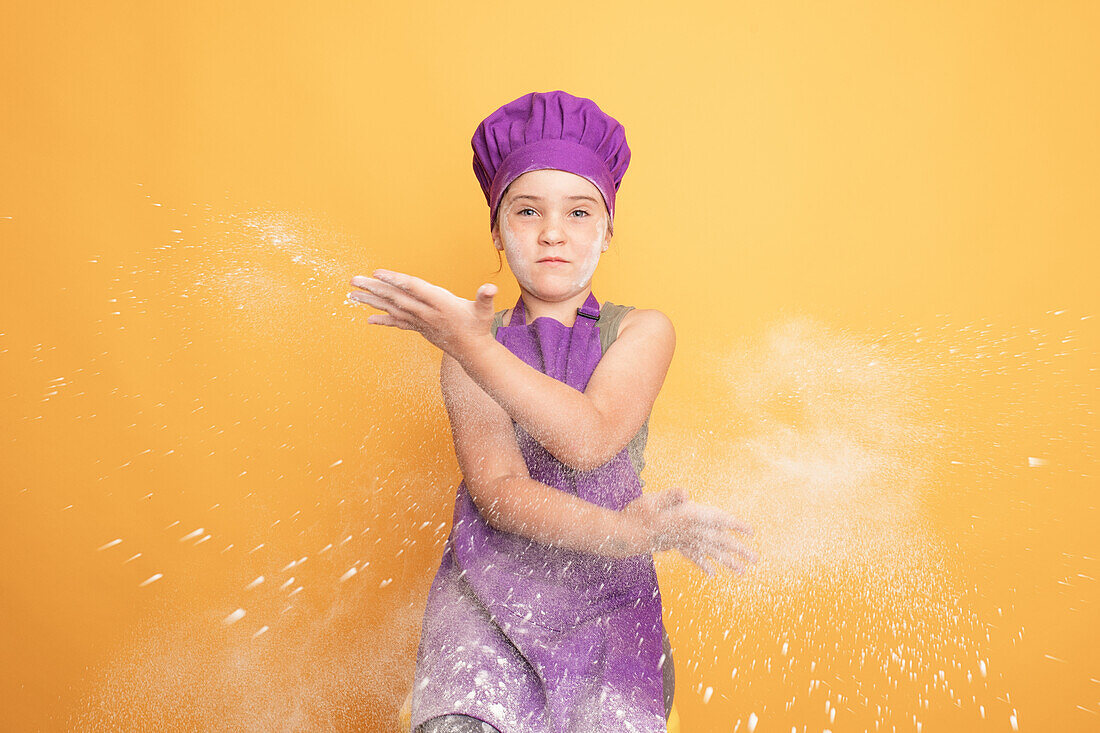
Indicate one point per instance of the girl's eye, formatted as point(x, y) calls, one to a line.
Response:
point(523, 212)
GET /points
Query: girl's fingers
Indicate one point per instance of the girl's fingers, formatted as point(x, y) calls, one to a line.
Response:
point(401, 298)
point(731, 562)
point(486, 293)
point(729, 544)
point(402, 280)
point(699, 559)
point(392, 294)
point(737, 525)
point(724, 548)
point(726, 521)
point(396, 315)
point(719, 541)
point(385, 320)
point(719, 519)
point(375, 301)
point(421, 290)
point(724, 556)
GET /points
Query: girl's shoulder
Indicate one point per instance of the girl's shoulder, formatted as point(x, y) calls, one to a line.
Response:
point(650, 324)
point(649, 318)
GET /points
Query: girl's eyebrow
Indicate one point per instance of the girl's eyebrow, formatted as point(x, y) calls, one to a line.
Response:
point(539, 198)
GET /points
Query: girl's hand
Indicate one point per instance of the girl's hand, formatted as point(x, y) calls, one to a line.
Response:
point(448, 321)
point(698, 532)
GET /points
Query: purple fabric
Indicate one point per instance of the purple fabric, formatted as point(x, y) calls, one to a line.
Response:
point(550, 130)
point(536, 639)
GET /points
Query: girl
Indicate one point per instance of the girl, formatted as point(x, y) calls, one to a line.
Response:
point(545, 614)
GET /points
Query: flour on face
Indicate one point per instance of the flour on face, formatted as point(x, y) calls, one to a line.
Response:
point(513, 250)
point(523, 265)
point(587, 266)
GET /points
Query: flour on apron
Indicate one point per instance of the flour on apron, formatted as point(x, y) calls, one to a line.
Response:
point(538, 639)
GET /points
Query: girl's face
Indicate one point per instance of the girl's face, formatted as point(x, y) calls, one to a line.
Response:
point(552, 227)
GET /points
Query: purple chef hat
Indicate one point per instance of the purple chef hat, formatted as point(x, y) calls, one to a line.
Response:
point(550, 130)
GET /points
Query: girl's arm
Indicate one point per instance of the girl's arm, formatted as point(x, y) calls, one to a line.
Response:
point(510, 500)
point(521, 505)
point(582, 430)
point(505, 494)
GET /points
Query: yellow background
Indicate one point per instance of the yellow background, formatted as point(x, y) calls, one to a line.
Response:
point(187, 189)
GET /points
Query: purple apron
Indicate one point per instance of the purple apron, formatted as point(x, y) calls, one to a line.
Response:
point(531, 638)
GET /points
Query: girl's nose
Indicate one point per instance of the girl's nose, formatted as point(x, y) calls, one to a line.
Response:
point(552, 231)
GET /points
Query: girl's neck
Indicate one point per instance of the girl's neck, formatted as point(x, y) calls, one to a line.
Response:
point(564, 312)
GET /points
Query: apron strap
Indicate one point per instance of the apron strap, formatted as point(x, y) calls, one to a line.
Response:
point(584, 344)
point(590, 309)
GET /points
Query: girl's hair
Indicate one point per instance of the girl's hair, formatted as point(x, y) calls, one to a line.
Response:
point(496, 224)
